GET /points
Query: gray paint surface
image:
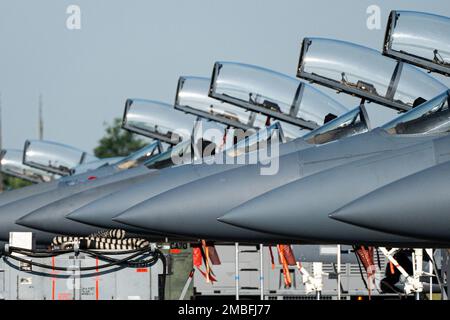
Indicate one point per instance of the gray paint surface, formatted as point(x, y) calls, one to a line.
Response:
point(101, 211)
point(192, 209)
point(417, 205)
point(10, 212)
point(51, 217)
point(302, 207)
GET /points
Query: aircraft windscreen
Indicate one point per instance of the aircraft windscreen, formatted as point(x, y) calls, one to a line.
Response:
point(258, 140)
point(140, 156)
point(365, 73)
point(157, 120)
point(53, 157)
point(96, 164)
point(354, 122)
point(183, 151)
point(166, 159)
point(272, 94)
point(432, 116)
point(419, 38)
point(11, 164)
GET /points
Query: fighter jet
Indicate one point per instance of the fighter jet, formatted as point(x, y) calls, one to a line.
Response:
point(198, 204)
point(43, 155)
point(315, 105)
point(410, 37)
point(314, 217)
point(11, 161)
point(258, 100)
point(303, 205)
point(142, 115)
point(192, 97)
point(191, 92)
point(332, 189)
point(51, 216)
point(49, 155)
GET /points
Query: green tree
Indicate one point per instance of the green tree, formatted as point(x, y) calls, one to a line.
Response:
point(117, 142)
point(10, 183)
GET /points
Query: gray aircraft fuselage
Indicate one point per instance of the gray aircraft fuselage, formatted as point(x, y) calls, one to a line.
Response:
point(101, 211)
point(116, 197)
point(51, 217)
point(14, 210)
point(302, 207)
point(192, 209)
point(7, 220)
point(417, 205)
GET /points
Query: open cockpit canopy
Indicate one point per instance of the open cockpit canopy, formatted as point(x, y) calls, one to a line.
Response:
point(365, 73)
point(192, 97)
point(11, 163)
point(419, 38)
point(54, 157)
point(157, 120)
point(272, 94)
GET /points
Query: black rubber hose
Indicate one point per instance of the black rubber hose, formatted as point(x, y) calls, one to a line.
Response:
point(113, 262)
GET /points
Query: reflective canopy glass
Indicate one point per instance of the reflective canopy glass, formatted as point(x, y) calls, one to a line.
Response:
point(183, 153)
point(193, 93)
point(165, 159)
point(92, 165)
point(54, 157)
point(204, 135)
point(258, 140)
point(419, 38)
point(140, 156)
point(291, 131)
point(273, 94)
point(11, 164)
point(432, 116)
point(354, 122)
point(157, 120)
point(365, 73)
point(192, 97)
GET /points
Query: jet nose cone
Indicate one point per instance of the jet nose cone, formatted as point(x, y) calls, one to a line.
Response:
point(166, 213)
point(144, 215)
point(361, 212)
point(257, 214)
point(94, 213)
point(384, 209)
point(34, 220)
point(416, 205)
point(42, 218)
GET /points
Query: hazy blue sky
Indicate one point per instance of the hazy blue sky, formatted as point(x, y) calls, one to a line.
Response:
point(139, 48)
